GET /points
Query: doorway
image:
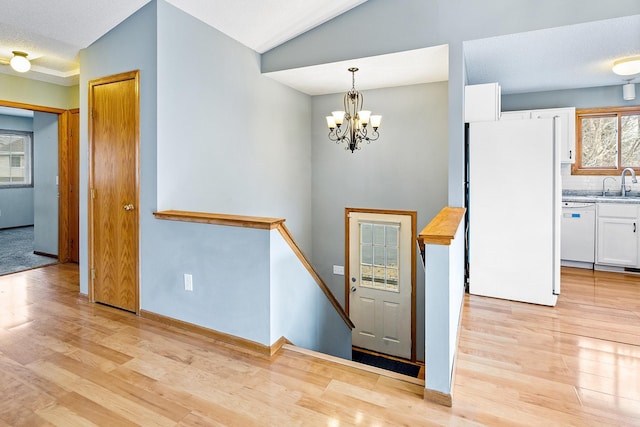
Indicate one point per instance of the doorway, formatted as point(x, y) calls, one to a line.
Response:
point(380, 280)
point(114, 115)
point(63, 152)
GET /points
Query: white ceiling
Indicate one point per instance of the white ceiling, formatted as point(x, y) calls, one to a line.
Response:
point(396, 69)
point(581, 55)
point(53, 32)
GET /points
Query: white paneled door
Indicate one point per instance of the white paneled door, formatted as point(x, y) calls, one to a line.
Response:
point(380, 284)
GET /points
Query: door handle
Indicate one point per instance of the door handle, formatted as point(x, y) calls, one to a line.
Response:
point(128, 207)
point(634, 227)
point(353, 289)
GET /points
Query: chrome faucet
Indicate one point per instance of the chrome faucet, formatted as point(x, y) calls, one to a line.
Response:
point(604, 191)
point(623, 190)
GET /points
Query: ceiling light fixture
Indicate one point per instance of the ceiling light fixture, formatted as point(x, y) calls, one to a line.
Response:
point(629, 91)
point(19, 62)
point(627, 66)
point(354, 118)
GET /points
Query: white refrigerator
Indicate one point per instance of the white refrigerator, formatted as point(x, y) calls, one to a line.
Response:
point(514, 210)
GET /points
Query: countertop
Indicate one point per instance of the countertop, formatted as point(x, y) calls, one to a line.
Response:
point(597, 197)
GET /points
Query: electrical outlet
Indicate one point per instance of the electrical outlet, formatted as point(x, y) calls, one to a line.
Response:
point(188, 282)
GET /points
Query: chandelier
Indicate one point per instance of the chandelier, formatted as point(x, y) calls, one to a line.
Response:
point(350, 126)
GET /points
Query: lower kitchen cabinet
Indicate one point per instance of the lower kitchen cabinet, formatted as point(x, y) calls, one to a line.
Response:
point(617, 240)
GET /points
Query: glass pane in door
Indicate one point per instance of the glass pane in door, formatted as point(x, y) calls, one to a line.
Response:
point(379, 267)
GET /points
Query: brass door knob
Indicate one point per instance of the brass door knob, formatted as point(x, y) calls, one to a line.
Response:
point(128, 207)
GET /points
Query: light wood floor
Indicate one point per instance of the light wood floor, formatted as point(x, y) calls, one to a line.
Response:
point(64, 361)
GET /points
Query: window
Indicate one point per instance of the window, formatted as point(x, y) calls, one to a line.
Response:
point(379, 266)
point(15, 159)
point(608, 140)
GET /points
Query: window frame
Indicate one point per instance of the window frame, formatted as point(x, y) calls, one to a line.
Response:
point(576, 168)
point(28, 160)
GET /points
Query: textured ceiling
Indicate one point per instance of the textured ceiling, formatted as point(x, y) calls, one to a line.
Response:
point(574, 56)
point(53, 33)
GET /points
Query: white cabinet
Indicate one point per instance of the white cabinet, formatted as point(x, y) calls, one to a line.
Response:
point(482, 103)
point(565, 130)
point(617, 235)
point(515, 115)
point(565, 127)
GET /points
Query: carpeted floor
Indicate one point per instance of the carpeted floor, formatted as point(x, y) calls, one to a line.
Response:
point(16, 251)
point(385, 363)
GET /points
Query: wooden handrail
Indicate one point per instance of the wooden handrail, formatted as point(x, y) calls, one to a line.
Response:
point(221, 219)
point(263, 224)
point(442, 228)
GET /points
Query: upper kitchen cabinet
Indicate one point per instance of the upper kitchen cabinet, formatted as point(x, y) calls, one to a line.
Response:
point(482, 103)
point(565, 127)
point(565, 130)
point(515, 115)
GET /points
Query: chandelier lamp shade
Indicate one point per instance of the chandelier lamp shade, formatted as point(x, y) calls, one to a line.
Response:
point(352, 125)
point(19, 62)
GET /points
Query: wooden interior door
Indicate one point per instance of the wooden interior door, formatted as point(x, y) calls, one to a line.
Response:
point(74, 185)
point(113, 216)
point(381, 281)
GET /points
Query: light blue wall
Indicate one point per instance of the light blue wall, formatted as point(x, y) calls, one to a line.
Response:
point(299, 309)
point(230, 268)
point(405, 169)
point(229, 139)
point(16, 123)
point(129, 46)
point(444, 305)
point(16, 204)
point(606, 96)
point(16, 207)
point(45, 182)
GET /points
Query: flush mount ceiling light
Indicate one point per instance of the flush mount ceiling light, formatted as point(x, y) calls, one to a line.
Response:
point(350, 126)
point(19, 62)
point(627, 66)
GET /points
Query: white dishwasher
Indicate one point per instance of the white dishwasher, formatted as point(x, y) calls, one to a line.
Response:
point(577, 241)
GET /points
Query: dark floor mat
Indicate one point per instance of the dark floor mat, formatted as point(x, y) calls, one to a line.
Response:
point(387, 364)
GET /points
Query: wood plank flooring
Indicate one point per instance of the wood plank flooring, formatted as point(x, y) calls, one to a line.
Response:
point(65, 362)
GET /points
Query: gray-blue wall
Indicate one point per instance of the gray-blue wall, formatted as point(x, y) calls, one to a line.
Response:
point(16, 204)
point(405, 169)
point(45, 182)
point(255, 161)
point(595, 97)
point(129, 46)
point(229, 139)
